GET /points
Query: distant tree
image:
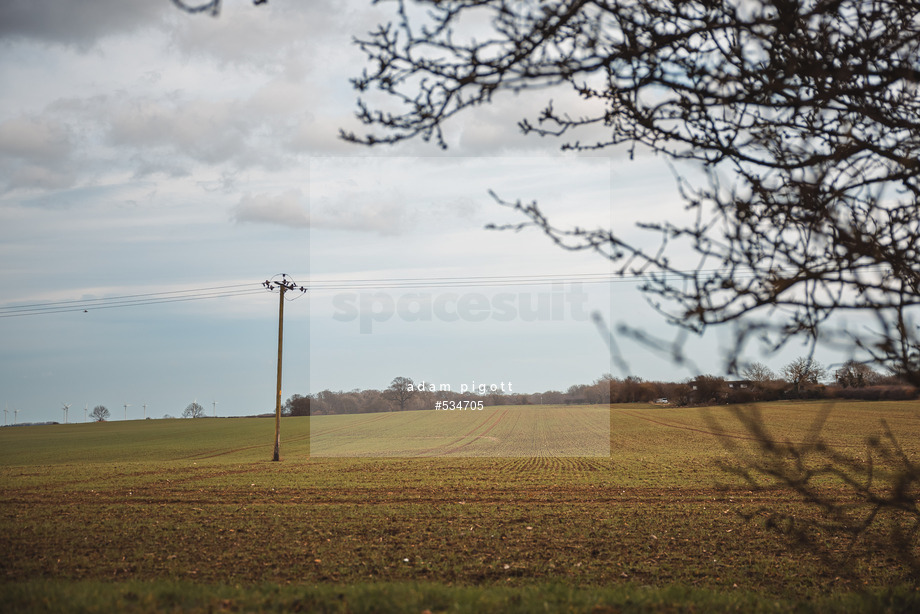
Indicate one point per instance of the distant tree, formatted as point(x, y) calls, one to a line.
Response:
point(680, 394)
point(297, 405)
point(99, 414)
point(801, 372)
point(324, 403)
point(576, 393)
point(194, 410)
point(765, 385)
point(400, 391)
point(631, 389)
point(854, 374)
point(758, 373)
point(708, 389)
point(599, 390)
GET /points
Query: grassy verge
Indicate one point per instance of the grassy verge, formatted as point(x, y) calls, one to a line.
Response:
point(136, 597)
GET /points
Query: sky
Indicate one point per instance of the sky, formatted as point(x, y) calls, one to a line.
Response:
point(148, 155)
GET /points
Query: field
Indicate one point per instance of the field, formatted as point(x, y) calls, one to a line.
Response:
point(191, 515)
point(538, 430)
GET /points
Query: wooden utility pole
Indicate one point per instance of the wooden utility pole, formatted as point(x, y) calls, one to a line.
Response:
point(283, 285)
point(277, 454)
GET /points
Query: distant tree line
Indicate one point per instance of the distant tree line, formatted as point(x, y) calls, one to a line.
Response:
point(803, 378)
point(101, 413)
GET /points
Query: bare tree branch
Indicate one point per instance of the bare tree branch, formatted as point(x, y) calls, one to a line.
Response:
point(803, 118)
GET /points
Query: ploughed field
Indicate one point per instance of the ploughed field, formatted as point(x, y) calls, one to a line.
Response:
point(531, 431)
point(490, 498)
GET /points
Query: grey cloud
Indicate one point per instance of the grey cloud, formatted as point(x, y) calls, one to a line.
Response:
point(377, 211)
point(37, 154)
point(34, 139)
point(257, 130)
point(256, 119)
point(76, 24)
point(312, 136)
point(207, 131)
point(168, 134)
point(41, 177)
point(284, 209)
point(146, 165)
point(361, 212)
point(250, 34)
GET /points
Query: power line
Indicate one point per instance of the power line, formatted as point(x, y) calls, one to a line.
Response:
point(530, 280)
point(461, 282)
point(340, 284)
point(139, 296)
point(225, 291)
point(130, 300)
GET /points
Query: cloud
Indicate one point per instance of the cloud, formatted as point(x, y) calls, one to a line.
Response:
point(34, 139)
point(359, 211)
point(210, 132)
point(284, 209)
point(192, 95)
point(76, 24)
point(139, 135)
point(37, 154)
point(40, 177)
point(261, 36)
point(384, 214)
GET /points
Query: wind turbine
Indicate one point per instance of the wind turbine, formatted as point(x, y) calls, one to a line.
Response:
point(66, 409)
point(215, 408)
point(85, 410)
point(145, 411)
point(15, 416)
point(126, 410)
point(6, 412)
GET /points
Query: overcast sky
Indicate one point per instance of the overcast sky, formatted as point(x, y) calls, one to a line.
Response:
point(145, 151)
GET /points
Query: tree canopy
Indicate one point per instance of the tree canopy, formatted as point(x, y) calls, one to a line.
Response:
point(399, 391)
point(100, 413)
point(193, 410)
point(297, 405)
point(803, 371)
point(799, 122)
